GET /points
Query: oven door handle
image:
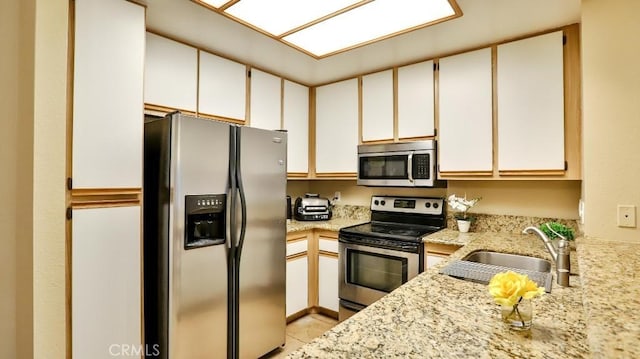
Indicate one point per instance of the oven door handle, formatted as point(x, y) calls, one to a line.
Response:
point(351, 306)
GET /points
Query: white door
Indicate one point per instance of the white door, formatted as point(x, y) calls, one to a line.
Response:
point(377, 106)
point(107, 94)
point(531, 104)
point(106, 287)
point(297, 285)
point(337, 127)
point(171, 74)
point(416, 100)
point(295, 115)
point(222, 87)
point(328, 282)
point(266, 100)
point(466, 112)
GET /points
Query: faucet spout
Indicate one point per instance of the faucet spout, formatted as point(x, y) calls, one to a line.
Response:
point(547, 243)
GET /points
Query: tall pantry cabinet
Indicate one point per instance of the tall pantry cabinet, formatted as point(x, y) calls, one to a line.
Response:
point(105, 177)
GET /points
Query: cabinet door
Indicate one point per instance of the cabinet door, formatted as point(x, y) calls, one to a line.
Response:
point(107, 95)
point(415, 100)
point(433, 259)
point(296, 122)
point(531, 104)
point(171, 74)
point(328, 282)
point(266, 100)
point(297, 285)
point(466, 112)
point(106, 284)
point(377, 106)
point(222, 87)
point(337, 127)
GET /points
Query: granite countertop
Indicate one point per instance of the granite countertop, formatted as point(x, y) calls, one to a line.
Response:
point(333, 224)
point(434, 315)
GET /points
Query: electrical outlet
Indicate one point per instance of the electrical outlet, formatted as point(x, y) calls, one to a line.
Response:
point(336, 196)
point(626, 216)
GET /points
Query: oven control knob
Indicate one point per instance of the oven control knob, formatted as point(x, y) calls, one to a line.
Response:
point(428, 204)
point(376, 202)
point(383, 202)
point(435, 205)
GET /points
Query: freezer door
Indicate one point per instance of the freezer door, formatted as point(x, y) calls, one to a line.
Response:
point(263, 170)
point(198, 258)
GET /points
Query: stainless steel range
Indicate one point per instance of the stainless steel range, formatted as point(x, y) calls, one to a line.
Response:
point(377, 257)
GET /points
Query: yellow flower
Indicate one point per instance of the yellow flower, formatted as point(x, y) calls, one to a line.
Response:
point(507, 288)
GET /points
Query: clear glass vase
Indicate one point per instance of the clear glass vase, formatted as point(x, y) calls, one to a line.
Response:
point(518, 316)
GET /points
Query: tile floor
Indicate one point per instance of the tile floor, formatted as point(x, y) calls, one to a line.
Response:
point(301, 332)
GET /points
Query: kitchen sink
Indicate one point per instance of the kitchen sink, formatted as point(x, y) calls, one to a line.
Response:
point(509, 260)
point(481, 266)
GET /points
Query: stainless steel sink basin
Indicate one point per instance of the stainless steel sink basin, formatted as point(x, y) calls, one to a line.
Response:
point(481, 266)
point(509, 260)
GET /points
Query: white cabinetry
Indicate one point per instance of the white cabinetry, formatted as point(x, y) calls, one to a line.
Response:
point(337, 127)
point(296, 122)
point(107, 96)
point(171, 73)
point(106, 281)
point(416, 100)
point(377, 106)
point(297, 285)
point(328, 282)
point(466, 112)
point(266, 100)
point(222, 87)
point(531, 104)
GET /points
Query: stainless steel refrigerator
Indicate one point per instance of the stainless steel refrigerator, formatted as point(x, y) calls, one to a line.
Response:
point(214, 239)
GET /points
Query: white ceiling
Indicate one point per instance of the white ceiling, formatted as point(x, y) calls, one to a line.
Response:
point(482, 22)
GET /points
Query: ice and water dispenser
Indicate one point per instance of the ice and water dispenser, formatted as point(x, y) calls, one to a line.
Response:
point(204, 220)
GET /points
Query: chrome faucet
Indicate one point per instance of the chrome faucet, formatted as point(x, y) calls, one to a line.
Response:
point(560, 256)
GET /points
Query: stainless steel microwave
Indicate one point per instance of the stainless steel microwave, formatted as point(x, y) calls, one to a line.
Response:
point(410, 164)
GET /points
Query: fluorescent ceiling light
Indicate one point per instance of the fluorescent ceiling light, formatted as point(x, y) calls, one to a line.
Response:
point(373, 21)
point(280, 16)
point(325, 27)
point(215, 3)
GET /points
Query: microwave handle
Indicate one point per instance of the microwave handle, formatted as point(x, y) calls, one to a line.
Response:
point(410, 166)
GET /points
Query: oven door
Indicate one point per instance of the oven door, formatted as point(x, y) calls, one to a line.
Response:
point(368, 273)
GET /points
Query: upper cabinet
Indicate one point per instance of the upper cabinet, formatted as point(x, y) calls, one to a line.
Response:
point(337, 129)
point(295, 113)
point(266, 100)
point(171, 74)
point(415, 98)
point(377, 106)
point(531, 118)
point(466, 114)
point(222, 87)
point(108, 70)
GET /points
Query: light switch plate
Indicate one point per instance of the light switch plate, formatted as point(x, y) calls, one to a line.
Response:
point(626, 216)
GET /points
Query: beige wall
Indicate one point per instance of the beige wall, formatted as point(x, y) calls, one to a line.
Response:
point(555, 199)
point(611, 105)
point(50, 113)
point(32, 133)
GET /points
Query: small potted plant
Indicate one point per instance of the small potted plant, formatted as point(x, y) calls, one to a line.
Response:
point(461, 205)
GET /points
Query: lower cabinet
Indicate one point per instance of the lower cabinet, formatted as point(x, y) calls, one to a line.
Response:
point(328, 282)
point(297, 285)
point(435, 253)
point(106, 281)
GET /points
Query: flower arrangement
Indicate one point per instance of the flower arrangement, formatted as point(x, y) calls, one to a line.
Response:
point(461, 205)
point(509, 289)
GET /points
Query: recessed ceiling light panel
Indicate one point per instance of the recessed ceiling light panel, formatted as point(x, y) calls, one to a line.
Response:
point(372, 21)
point(280, 16)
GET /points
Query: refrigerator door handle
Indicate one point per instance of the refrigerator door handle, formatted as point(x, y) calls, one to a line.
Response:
point(243, 201)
